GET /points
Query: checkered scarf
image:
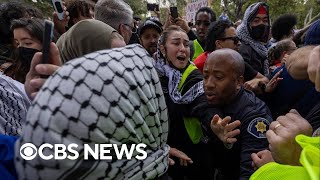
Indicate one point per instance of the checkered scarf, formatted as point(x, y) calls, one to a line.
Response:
point(174, 77)
point(106, 97)
point(14, 104)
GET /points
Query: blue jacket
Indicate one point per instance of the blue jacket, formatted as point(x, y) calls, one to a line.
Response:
point(7, 170)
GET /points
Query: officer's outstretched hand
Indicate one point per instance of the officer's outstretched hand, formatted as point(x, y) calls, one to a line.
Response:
point(261, 158)
point(34, 81)
point(184, 159)
point(224, 130)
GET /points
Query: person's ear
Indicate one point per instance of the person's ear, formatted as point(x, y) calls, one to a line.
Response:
point(162, 50)
point(240, 82)
point(218, 44)
point(282, 55)
point(122, 29)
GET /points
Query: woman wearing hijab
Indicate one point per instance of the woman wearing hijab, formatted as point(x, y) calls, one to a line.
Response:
point(106, 97)
point(86, 37)
point(254, 33)
point(182, 84)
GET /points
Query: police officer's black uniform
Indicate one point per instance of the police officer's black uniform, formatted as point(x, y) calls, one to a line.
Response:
point(255, 117)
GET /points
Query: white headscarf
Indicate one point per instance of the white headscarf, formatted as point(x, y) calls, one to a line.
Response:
point(106, 97)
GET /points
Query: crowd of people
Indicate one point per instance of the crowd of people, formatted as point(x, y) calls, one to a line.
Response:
point(219, 100)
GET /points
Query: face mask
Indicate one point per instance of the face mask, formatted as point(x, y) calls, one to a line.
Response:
point(260, 33)
point(26, 54)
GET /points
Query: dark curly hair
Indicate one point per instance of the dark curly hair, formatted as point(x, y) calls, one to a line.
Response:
point(34, 12)
point(216, 30)
point(8, 12)
point(77, 8)
point(209, 11)
point(283, 26)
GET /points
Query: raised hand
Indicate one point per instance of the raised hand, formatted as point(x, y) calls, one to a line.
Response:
point(273, 83)
point(33, 79)
point(224, 130)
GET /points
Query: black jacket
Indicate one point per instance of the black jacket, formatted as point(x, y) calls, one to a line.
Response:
point(252, 57)
point(178, 136)
point(255, 119)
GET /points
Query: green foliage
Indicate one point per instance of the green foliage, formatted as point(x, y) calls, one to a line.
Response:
point(180, 4)
point(139, 7)
point(235, 8)
point(44, 5)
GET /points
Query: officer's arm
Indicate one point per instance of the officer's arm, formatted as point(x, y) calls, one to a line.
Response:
point(253, 140)
point(204, 112)
point(199, 107)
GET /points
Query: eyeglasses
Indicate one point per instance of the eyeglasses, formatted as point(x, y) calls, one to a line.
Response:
point(133, 29)
point(235, 39)
point(206, 23)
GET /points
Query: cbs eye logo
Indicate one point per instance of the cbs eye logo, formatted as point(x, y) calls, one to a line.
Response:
point(28, 151)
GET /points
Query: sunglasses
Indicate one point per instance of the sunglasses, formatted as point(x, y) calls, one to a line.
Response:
point(206, 23)
point(235, 39)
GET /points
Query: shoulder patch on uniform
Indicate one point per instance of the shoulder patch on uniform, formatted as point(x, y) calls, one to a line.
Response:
point(316, 133)
point(258, 127)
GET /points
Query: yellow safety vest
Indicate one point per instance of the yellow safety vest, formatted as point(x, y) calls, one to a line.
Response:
point(192, 124)
point(197, 49)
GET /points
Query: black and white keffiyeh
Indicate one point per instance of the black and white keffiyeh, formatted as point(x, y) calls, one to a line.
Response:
point(244, 34)
point(106, 97)
point(14, 104)
point(174, 77)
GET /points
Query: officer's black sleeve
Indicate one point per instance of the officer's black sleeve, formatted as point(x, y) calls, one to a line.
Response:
point(204, 112)
point(253, 140)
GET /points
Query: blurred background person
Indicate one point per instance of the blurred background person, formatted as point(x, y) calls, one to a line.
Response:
point(149, 33)
point(77, 41)
point(282, 28)
point(116, 14)
point(28, 37)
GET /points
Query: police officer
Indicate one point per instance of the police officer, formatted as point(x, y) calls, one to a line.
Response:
point(223, 78)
